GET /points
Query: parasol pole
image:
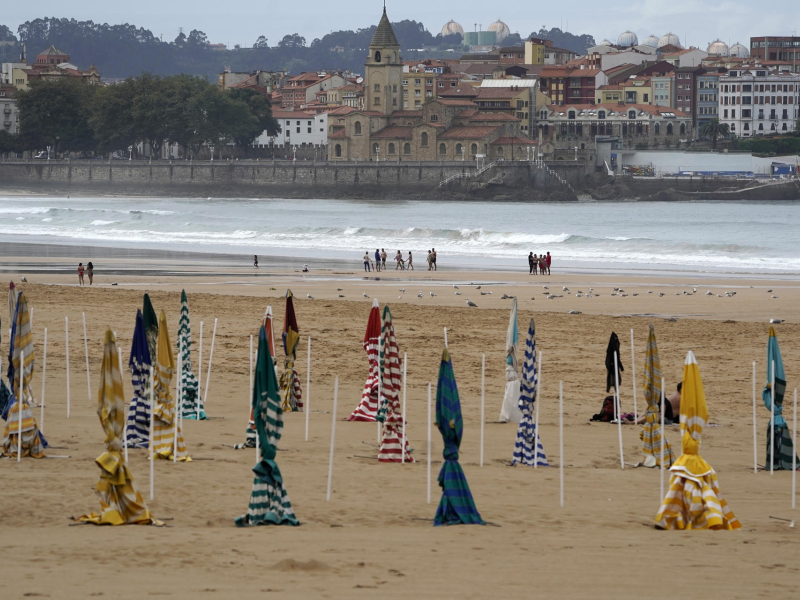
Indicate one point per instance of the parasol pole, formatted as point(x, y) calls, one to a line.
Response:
point(31, 319)
point(333, 436)
point(380, 384)
point(124, 433)
point(483, 399)
point(308, 386)
point(445, 337)
point(86, 349)
point(177, 406)
point(536, 422)
point(633, 369)
point(662, 439)
point(210, 358)
point(772, 424)
point(19, 404)
point(405, 373)
point(561, 438)
point(66, 355)
point(200, 372)
point(755, 437)
point(44, 377)
point(618, 406)
point(152, 411)
point(794, 451)
point(429, 443)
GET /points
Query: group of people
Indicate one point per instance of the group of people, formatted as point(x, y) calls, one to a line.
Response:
point(539, 265)
point(402, 263)
point(89, 270)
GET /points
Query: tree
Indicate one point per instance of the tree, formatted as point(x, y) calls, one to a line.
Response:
point(149, 112)
point(292, 41)
point(56, 113)
point(8, 142)
point(714, 129)
point(187, 112)
point(197, 38)
point(180, 41)
point(6, 35)
point(110, 119)
point(259, 106)
point(261, 42)
point(513, 39)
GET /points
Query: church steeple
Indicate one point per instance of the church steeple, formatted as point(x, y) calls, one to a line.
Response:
point(383, 74)
point(384, 35)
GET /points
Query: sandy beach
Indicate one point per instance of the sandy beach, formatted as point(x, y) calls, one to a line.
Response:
point(375, 537)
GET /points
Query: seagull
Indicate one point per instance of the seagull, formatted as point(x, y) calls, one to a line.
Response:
point(774, 296)
point(115, 283)
point(471, 303)
point(341, 295)
point(455, 286)
point(403, 289)
point(458, 293)
point(694, 290)
point(365, 295)
point(533, 298)
point(485, 293)
point(565, 289)
point(624, 295)
point(22, 279)
point(432, 294)
point(649, 291)
point(708, 293)
point(616, 289)
point(635, 294)
point(672, 319)
point(545, 287)
point(579, 295)
point(660, 294)
point(621, 290)
point(776, 321)
point(309, 296)
point(479, 287)
point(574, 312)
point(769, 291)
point(613, 293)
point(399, 297)
point(677, 294)
point(580, 291)
point(338, 289)
point(550, 297)
point(419, 295)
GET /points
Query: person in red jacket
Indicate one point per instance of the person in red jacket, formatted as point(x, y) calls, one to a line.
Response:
point(548, 259)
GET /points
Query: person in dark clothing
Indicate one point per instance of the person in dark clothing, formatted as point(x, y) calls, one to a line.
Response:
point(531, 264)
point(255, 260)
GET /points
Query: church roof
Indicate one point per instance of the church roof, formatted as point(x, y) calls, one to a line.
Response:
point(52, 51)
point(384, 35)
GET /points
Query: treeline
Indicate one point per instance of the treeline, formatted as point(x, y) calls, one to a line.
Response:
point(775, 146)
point(120, 51)
point(71, 116)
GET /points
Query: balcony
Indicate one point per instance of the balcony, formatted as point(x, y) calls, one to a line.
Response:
point(7, 111)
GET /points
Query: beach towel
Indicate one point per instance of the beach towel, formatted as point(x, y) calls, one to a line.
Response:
point(191, 402)
point(528, 449)
point(780, 447)
point(651, 434)
point(367, 409)
point(120, 501)
point(137, 428)
point(165, 415)
point(269, 502)
point(390, 414)
point(694, 500)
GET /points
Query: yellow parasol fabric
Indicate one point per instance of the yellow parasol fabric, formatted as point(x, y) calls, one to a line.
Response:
point(693, 500)
point(165, 426)
point(120, 502)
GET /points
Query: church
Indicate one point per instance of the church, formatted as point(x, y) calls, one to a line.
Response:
point(441, 130)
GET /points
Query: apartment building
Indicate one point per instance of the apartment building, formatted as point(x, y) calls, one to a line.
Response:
point(758, 101)
point(707, 98)
point(298, 128)
point(10, 113)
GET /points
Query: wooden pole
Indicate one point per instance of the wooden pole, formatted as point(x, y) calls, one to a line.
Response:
point(403, 442)
point(445, 337)
point(755, 436)
point(483, 400)
point(66, 355)
point(19, 404)
point(618, 406)
point(200, 372)
point(772, 424)
point(536, 421)
point(333, 436)
point(794, 451)
point(124, 433)
point(663, 440)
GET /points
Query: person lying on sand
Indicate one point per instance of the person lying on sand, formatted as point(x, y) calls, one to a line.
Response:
point(672, 410)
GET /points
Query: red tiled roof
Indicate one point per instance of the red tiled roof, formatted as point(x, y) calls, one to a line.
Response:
point(470, 133)
point(406, 113)
point(517, 139)
point(455, 102)
point(568, 72)
point(506, 92)
point(393, 132)
point(291, 114)
point(465, 114)
point(492, 116)
point(340, 134)
point(343, 111)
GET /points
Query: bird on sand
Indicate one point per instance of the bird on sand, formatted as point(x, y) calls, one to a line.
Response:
point(471, 303)
point(309, 296)
point(365, 295)
point(22, 279)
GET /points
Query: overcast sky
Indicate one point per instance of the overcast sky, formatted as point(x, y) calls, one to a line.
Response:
point(699, 21)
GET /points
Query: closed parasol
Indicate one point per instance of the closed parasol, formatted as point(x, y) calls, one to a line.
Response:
point(165, 415)
point(269, 502)
point(291, 393)
point(150, 325)
point(781, 447)
point(693, 500)
point(191, 403)
point(137, 428)
point(368, 407)
point(456, 506)
point(120, 501)
point(528, 449)
point(613, 347)
point(510, 409)
point(651, 435)
point(389, 413)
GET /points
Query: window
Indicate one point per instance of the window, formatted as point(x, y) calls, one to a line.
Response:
point(601, 114)
point(377, 101)
point(442, 149)
point(658, 128)
point(377, 87)
point(669, 128)
point(745, 113)
point(375, 148)
point(474, 149)
point(338, 150)
point(424, 139)
point(631, 114)
point(405, 82)
point(309, 130)
point(747, 126)
point(391, 148)
point(683, 128)
point(571, 114)
point(434, 118)
point(377, 56)
point(417, 82)
point(499, 151)
point(417, 93)
point(406, 148)
point(358, 128)
point(459, 150)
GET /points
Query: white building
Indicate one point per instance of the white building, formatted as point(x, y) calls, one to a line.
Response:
point(8, 110)
point(298, 128)
point(758, 101)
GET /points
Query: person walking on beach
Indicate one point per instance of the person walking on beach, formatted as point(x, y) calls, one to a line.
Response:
point(542, 264)
point(90, 272)
point(429, 260)
point(531, 264)
point(548, 260)
point(366, 261)
point(399, 260)
point(383, 259)
point(410, 261)
point(377, 260)
point(433, 258)
point(80, 273)
point(255, 260)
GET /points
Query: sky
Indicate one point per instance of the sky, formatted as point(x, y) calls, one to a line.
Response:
point(698, 21)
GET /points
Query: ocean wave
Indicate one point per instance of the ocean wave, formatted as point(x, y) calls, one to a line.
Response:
point(101, 222)
point(33, 210)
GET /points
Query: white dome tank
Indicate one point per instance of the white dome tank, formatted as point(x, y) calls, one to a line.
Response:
point(718, 48)
point(739, 51)
point(651, 41)
point(627, 38)
point(500, 29)
point(669, 39)
point(451, 27)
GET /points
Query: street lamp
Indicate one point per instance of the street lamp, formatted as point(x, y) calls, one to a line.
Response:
point(212, 153)
point(576, 153)
point(48, 153)
point(130, 153)
point(294, 150)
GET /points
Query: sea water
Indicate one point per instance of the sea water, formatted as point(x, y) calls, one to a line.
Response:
point(755, 237)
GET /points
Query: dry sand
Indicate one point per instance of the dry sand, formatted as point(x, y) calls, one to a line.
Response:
point(375, 537)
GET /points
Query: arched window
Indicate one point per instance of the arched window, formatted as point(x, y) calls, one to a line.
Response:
point(357, 127)
point(338, 151)
point(474, 149)
point(571, 114)
point(442, 149)
point(669, 128)
point(683, 128)
point(406, 148)
point(424, 139)
point(434, 118)
point(499, 151)
point(631, 114)
point(391, 148)
point(377, 56)
point(375, 148)
point(601, 114)
point(459, 150)
point(658, 128)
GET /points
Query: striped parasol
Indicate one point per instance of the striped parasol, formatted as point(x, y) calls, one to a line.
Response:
point(693, 500)
point(456, 506)
point(368, 407)
point(12, 316)
point(291, 393)
point(509, 412)
point(651, 435)
point(189, 386)
point(33, 442)
point(150, 325)
point(165, 415)
point(528, 449)
point(781, 447)
point(137, 428)
point(120, 501)
point(391, 380)
point(269, 502)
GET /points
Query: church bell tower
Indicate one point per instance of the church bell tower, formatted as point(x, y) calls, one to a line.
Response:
point(383, 75)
